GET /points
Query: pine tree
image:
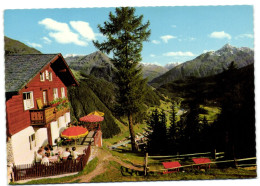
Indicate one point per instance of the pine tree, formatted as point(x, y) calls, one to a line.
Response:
point(193, 127)
point(174, 132)
point(125, 34)
point(157, 139)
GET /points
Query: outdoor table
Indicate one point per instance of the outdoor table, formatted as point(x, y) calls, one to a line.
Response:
point(171, 165)
point(53, 159)
point(58, 151)
point(199, 161)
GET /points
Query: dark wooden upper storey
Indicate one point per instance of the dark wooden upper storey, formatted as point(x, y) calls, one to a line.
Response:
point(29, 78)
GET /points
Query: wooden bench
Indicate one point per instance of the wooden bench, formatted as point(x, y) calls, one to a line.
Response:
point(201, 162)
point(174, 166)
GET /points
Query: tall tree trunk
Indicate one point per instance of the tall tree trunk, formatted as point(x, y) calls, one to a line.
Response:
point(132, 132)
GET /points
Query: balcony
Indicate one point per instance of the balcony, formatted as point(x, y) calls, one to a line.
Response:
point(41, 117)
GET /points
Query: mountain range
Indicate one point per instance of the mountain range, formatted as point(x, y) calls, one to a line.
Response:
point(96, 72)
point(207, 64)
point(99, 65)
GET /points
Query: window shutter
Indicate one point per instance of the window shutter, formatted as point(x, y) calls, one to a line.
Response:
point(62, 92)
point(47, 74)
point(50, 76)
point(31, 100)
point(42, 78)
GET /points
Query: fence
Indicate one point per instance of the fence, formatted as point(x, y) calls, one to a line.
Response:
point(28, 171)
point(214, 155)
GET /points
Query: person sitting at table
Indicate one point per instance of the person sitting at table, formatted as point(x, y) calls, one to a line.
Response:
point(49, 147)
point(42, 148)
point(74, 153)
point(50, 151)
point(38, 157)
point(45, 159)
point(66, 153)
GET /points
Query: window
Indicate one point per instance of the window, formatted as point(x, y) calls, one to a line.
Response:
point(44, 95)
point(32, 141)
point(55, 93)
point(28, 100)
point(42, 78)
point(62, 92)
point(50, 76)
point(47, 74)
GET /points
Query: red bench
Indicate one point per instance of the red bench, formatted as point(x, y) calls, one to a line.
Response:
point(202, 161)
point(171, 165)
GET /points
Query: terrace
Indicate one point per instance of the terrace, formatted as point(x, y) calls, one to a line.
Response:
point(55, 167)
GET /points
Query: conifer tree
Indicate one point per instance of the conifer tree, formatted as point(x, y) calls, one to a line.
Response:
point(193, 128)
point(157, 139)
point(174, 131)
point(125, 34)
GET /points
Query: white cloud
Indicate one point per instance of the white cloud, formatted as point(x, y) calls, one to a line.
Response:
point(73, 55)
point(251, 36)
point(179, 54)
point(166, 38)
point(46, 40)
point(152, 55)
point(84, 29)
point(155, 42)
point(61, 32)
point(67, 37)
point(220, 35)
point(51, 24)
point(34, 45)
point(173, 26)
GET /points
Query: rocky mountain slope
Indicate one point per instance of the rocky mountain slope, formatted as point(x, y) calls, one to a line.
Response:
point(207, 64)
point(151, 71)
point(96, 64)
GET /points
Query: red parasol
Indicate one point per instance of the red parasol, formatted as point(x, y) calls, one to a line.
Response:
point(74, 132)
point(91, 119)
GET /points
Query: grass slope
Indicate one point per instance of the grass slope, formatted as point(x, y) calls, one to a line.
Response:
point(16, 47)
point(114, 175)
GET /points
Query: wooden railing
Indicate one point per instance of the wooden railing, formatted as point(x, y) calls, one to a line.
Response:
point(28, 171)
point(46, 115)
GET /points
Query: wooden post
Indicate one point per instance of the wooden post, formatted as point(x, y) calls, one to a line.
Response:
point(215, 156)
point(145, 163)
point(235, 163)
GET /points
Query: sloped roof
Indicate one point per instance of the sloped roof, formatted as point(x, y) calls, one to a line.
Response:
point(20, 69)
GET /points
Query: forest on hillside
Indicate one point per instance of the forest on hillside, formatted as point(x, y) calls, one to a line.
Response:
point(233, 131)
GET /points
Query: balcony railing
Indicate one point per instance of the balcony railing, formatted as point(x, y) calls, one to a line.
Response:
point(46, 115)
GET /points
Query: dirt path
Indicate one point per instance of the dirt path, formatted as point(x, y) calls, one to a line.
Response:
point(103, 160)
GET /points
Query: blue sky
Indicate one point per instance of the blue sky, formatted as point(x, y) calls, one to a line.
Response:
point(178, 33)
